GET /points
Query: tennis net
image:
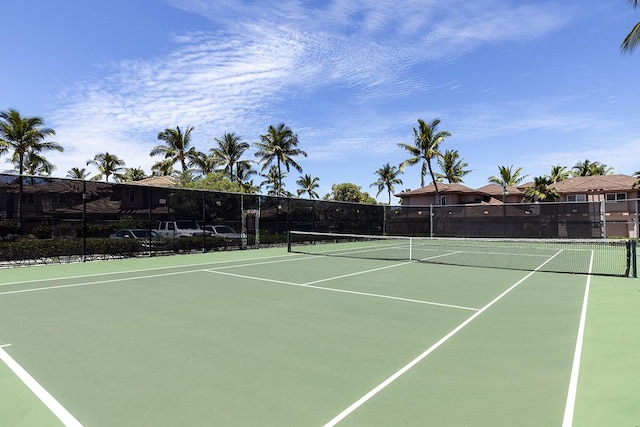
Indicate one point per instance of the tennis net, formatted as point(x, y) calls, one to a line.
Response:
point(599, 257)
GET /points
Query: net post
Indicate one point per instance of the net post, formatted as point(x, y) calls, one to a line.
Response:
point(288, 240)
point(410, 248)
point(634, 259)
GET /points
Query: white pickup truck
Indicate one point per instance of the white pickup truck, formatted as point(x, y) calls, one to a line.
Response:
point(180, 229)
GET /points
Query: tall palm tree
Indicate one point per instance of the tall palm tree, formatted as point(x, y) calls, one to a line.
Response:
point(228, 152)
point(588, 168)
point(508, 177)
point(78, 173)
point(176, 147)
point(107, 164)
point(541, 191)
point(426, 146)
point(452, 167)
point(308, 186)
point(558, 173)
point(24, 136)
point(631, 41)
point(387, 179)
point(279, 145)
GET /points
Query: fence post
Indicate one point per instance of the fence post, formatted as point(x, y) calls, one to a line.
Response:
point(636, 232)
point(431, 220)
point(604, 219)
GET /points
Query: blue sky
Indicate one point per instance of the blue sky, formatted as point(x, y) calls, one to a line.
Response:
point(529, 83)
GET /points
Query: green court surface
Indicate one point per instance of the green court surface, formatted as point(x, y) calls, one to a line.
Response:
point(269, 338)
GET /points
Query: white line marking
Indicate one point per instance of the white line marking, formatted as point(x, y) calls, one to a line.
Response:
point(342, 415)
point(99, 282)
point(5, 345)
point(56, 408)
point(140, 270)
point(577, 355)
point(344, 291)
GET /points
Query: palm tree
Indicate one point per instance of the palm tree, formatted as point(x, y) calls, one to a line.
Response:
point(508, 177)
point(558, 173)
point(426, 146)
point(588, 168)
point(35, 164)
point(308, 185)
point(133, 174)
point(78, 173)
point(452, 167)
point(541, 191)
point(637, 175)
point(273, 181)
point(176, 148)
point(107, 164)
point(387, 178)
point(279, 145)
point(228, 152)
point(631, 41)
point(24, 136)
point(244, 171)
point(163, 168)
point(203, 163)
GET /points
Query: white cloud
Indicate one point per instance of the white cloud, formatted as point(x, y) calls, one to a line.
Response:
point(241, 75)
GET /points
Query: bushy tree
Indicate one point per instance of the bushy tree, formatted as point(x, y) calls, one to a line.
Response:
point(348, 192)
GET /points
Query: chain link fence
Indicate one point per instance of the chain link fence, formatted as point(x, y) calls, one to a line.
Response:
point(53, 220)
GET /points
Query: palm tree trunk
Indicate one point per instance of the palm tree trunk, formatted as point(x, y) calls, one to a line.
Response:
point(20, 188)
point(279, 190)
point(435, 184)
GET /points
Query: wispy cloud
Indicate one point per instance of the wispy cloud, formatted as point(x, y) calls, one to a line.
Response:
point(243, 74)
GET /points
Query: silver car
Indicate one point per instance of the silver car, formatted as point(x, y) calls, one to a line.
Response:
point(147, 239)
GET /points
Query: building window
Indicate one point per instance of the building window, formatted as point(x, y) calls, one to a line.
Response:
point(616, 197)
point(58, 200)
point(443, 200)
point(28, 199)
point(577, 198)
point(132, 197)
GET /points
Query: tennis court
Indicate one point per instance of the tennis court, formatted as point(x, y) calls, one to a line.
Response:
point(270, 337)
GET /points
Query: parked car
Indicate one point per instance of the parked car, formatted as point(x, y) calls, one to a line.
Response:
point(226, 232)
point(184, 228)
point(147, 239)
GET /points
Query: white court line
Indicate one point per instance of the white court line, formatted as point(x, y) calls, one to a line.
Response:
point(140, 270)
point(99, 282)
point(54, 406)
point(122, 279)
point(577, 355)
point(342, 415)
point(344, 291)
